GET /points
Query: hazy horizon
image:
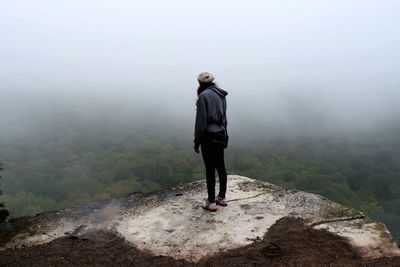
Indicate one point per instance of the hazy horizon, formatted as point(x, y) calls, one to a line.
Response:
point(287, 64)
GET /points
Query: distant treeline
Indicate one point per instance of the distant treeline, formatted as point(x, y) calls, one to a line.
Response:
point(70, 166)
point(3, 211)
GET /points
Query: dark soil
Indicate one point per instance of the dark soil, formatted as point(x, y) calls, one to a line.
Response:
point(288, 243)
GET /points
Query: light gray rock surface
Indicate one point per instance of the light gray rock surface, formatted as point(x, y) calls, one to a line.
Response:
point(172, 223)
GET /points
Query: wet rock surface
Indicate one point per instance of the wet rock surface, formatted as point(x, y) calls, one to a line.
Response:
point(171, 225)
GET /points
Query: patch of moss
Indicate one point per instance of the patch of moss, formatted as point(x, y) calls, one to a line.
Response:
point(339, 211)
point(383, 232)
point(381, 228)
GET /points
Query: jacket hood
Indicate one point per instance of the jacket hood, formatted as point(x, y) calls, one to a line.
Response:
point(222, 93)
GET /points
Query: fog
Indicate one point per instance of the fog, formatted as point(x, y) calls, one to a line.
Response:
point(310, 67)
point(98, 98)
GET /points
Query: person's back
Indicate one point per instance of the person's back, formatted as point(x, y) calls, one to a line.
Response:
point(211, 124)
point(211, 112)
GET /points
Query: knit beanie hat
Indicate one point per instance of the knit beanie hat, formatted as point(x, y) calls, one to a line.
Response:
point(205, 77)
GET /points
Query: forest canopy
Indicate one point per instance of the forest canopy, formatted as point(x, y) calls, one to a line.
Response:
point(67, 166)
point(3, 212)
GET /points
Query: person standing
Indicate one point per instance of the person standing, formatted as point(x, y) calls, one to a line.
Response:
point(211, 135)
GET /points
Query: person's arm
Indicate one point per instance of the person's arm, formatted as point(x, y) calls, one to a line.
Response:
point(201, 122)
point(225, 118)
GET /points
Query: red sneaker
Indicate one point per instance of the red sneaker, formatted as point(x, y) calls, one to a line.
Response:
point(209, 206)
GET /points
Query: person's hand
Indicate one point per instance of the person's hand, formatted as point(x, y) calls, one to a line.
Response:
point(196, 148)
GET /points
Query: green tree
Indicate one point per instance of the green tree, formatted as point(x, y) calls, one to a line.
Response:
point(3, 211)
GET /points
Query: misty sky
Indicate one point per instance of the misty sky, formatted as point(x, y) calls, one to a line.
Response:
point(274, 57)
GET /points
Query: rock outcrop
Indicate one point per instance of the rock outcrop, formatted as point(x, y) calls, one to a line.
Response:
point(172, 223)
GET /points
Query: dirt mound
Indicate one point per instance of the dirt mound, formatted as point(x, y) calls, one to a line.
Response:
point(97, 248)
point(289, 242)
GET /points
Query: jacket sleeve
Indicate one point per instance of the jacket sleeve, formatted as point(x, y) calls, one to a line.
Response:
point(201, 121)
point(225, 118)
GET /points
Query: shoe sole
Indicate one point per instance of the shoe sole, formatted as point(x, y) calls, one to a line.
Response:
point(210, 210)
point(221, 205)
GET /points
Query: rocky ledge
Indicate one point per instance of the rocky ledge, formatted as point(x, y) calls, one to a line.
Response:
point(172, 223)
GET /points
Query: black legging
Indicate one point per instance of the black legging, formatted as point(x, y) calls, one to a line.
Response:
point(213, 157)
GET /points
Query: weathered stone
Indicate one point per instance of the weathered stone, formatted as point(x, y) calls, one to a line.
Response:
point(172, 223)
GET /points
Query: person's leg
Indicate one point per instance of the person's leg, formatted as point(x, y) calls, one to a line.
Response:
point(209, 162)
point(222, 175)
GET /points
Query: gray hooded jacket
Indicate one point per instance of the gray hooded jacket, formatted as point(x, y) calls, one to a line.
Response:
point(211, 113)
